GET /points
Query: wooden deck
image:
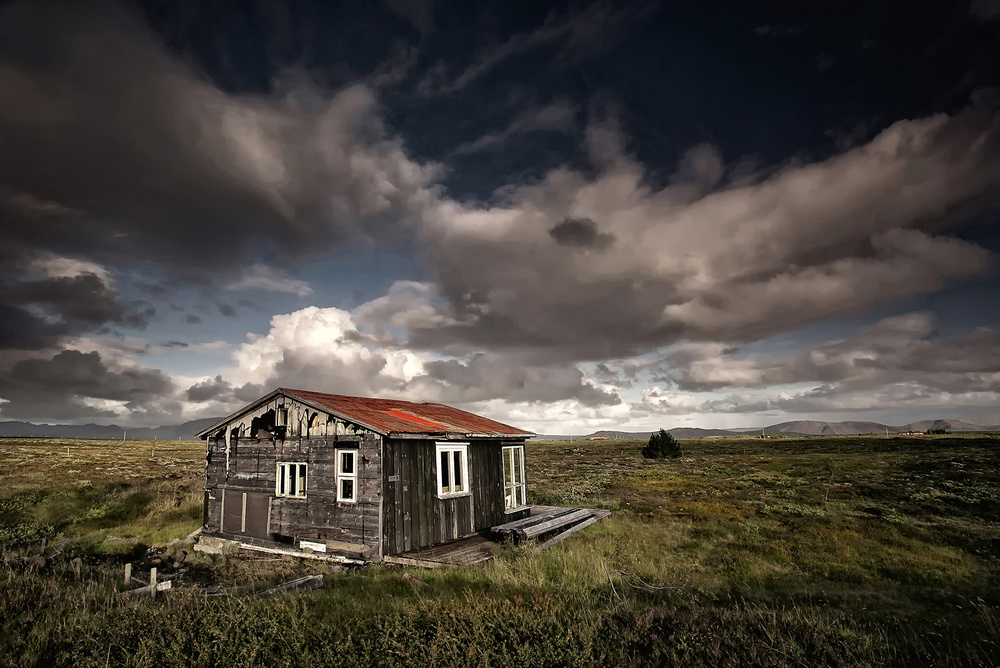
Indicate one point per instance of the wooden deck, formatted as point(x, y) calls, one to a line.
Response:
point(549, 522)
point(469, 550)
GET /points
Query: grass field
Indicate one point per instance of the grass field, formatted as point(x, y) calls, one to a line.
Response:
point(825, 551)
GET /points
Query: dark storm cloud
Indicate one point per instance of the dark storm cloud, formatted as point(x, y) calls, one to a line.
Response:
point(700, 262)
point(580, 232)
point(25, 331)
point(488, 376)
point(39, 312)
point(213, 388)
point(85, 299)
point(129, 157)
point(227, 310)
point(899, 362)
point(901, 349)
point(192, 319)
point(65, 385)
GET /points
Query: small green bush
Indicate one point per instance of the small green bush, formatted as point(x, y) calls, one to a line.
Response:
point(662, 444)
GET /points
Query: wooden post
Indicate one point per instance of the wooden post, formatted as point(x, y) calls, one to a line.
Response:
point(152, 582)
point(128, 574)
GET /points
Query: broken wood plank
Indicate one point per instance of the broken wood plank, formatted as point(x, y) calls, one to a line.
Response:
point(160, 586)
point(226, 591)
point(551, 525)
point(302, 584)
point(59, 548)
point(301, 555)
point(532, 519)
point(555, 539)
point(418, 563)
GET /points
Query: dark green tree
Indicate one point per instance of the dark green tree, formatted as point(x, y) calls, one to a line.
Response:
point(662, 444)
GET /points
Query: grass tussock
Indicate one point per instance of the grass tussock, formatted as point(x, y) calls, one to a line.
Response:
point(820, 552)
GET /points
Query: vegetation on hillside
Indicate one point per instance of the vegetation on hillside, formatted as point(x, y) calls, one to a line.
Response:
point(820, 552)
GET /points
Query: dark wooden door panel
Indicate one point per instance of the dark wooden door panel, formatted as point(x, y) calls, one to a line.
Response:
point(232, 512)
point(256, 515)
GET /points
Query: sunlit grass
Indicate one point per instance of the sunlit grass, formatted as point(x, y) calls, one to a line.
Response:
point(826, 551)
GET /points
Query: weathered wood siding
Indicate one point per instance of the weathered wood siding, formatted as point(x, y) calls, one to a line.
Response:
point(414, 514)
point(240, 465)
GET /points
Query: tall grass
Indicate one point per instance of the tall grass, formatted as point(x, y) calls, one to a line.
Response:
point(825, 552)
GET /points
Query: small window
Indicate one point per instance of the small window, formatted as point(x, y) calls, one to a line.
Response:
point(347, 476)
point(514, 487)
point(291, 479)
point(281, 417)
point(453, 468)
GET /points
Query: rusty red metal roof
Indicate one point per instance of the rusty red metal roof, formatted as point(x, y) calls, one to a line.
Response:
point(392, 416)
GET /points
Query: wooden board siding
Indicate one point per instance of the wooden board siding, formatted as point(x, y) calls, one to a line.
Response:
point(251, 469)
point(414, 515)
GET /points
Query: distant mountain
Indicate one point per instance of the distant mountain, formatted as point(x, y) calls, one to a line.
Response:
point(184, 432)
point(949, 425)
point(187, 430)
point(797, 428)
point(852, 427)
point(618, 434)
point(818, 428)
point(696, 432)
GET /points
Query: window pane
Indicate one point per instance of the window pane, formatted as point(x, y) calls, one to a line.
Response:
point(507, 472)
point(281, 479)
point(458, 471)
point(508, 497)
point(291, 482)
point(347, 463)
point(302, 479)
point(517, 466)
point(445, 475)
point(519, 496)
point(347, 489)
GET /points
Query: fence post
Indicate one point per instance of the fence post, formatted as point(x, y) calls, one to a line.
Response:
point(152, 582)
point(128, 574)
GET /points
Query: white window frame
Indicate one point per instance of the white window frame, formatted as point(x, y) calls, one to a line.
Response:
point(353, 477)
point(452, 488)
point(511, 487)
point(287, 476)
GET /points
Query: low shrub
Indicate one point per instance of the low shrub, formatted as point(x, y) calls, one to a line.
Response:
point(662, 444)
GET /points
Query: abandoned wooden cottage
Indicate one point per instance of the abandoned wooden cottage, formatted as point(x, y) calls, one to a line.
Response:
point(367, 479)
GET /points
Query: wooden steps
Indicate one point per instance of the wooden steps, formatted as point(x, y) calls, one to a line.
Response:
point(556, 523)
point(546, 523)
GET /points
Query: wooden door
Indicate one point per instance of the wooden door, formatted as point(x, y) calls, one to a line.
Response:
point(246, 513)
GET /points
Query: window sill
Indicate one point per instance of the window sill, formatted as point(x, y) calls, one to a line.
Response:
point(458, 495)
point(519, 509)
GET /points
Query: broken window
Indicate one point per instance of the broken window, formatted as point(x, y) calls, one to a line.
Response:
point(514, 487)
point(347, 476)
point(453, 468)
point(291, 479)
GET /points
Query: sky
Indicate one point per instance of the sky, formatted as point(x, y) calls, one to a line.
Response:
point(563, 216)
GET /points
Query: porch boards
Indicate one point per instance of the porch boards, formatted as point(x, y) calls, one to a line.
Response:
point(550, 522)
